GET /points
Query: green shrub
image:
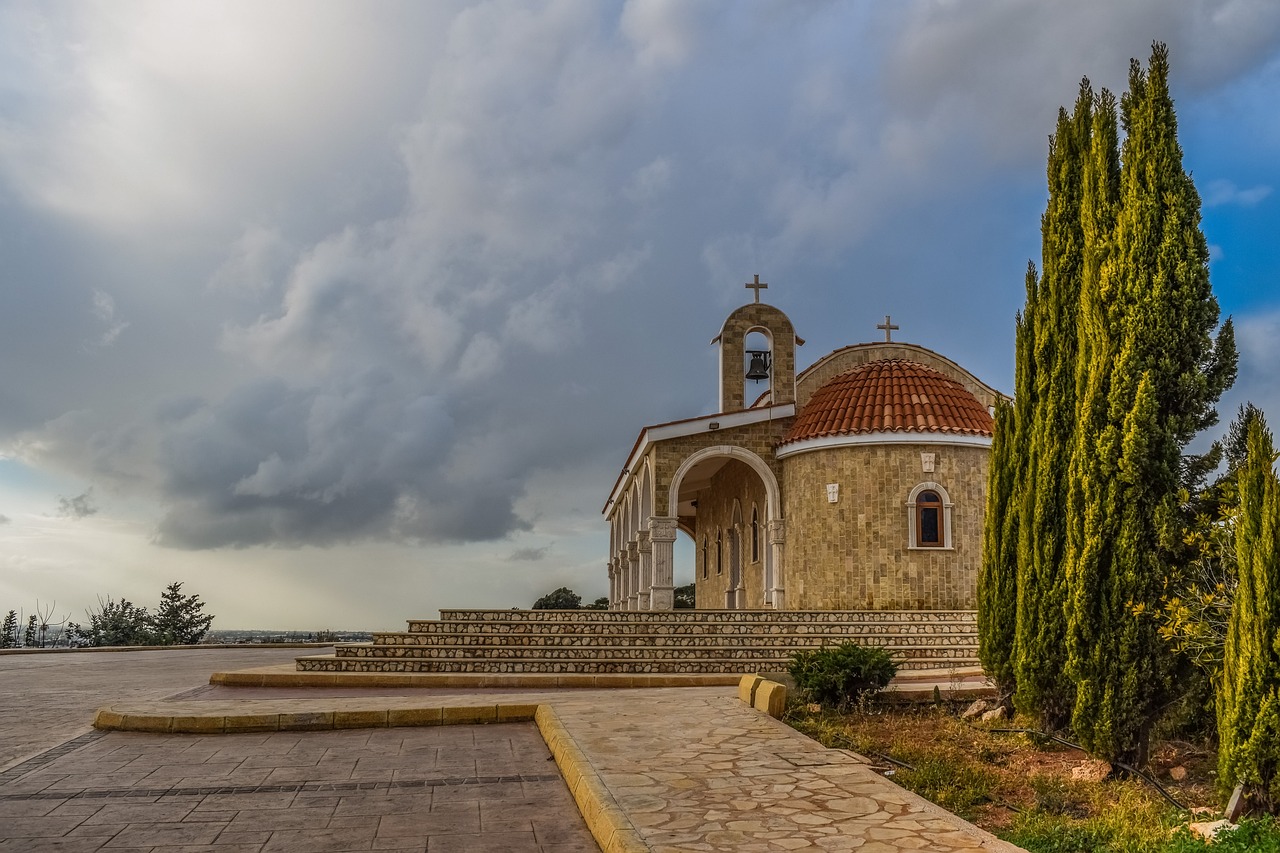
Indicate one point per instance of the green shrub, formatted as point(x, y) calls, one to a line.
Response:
point(842, 675)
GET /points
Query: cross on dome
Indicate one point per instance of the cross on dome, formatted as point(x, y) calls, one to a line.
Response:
point(888, 327)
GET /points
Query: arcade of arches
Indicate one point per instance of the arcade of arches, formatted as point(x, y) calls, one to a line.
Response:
point(855, 484)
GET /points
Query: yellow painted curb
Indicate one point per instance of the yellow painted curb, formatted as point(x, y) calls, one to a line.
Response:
point(306, 721)
point(606, 820)
point(469, 714)
point(415, 717)
point(240, 723)
point(198, 725)
point(771, 698)
point(278, 677)
point(516, 713)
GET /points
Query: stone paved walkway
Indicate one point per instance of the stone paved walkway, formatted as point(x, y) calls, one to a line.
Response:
point(666, 769)
point(443, 789)
point(50, 697)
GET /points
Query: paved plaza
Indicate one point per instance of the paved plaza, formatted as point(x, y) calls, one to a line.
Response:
point(659, 769)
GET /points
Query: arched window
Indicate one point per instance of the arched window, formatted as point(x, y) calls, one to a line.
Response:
point(755, 534)
point(929, 517)
point(928, 520)
point(704, 555)
point(719, 551)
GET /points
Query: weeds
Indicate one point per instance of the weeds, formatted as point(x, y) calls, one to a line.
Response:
point(1022, 789)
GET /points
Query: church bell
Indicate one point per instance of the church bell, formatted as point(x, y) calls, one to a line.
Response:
point(759, 368)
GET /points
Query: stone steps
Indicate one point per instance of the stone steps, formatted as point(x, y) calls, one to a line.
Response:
point(663, 641)
point(594, 652)
point(623, 642)
point(687, 617)
point(583, 667)
point(635, 632)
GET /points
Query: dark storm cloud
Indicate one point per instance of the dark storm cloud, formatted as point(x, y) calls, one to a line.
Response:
point(372, 279)
point(529, 555)
point(80, 506)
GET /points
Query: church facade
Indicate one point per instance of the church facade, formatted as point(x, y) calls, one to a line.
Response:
point(858, 483)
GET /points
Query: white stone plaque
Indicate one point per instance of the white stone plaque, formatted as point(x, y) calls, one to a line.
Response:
point(926, 462)
point(833, 492)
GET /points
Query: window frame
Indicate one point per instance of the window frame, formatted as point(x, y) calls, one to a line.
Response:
point(915, 518)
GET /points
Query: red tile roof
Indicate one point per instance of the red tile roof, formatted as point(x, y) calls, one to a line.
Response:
point(890, 396)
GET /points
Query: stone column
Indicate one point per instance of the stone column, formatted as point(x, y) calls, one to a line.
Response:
point(646, 569)
point(777, 539)
point(613, 583)
point(633, 576)
point(662, 537)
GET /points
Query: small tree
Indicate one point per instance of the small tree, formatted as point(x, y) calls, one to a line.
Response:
point(684, 597)
point(600, 603)
point(9, 631)
point(1249, 701)
point(179, 620)
point(116, 624)
point(560, 599)
point(31, 632)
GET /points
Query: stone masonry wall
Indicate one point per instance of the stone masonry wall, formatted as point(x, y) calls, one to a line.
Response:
point(854, 554)
point(667, 456)
point(733, 334)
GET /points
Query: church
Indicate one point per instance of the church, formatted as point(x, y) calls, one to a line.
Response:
point(857, 483)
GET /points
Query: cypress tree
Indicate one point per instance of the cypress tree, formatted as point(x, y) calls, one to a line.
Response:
point(997, 577)
point(9, 631)
point(1154, 373)
point(1049, 427)
point(1249, 698)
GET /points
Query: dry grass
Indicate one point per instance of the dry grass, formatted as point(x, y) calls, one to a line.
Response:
point(1022, 789)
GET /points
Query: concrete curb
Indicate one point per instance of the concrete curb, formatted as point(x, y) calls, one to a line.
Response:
point(295, 716)
point(286, 676)
point(606, 820)
point(768, 697)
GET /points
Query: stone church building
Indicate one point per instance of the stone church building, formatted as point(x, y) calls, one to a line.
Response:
point(858, 483)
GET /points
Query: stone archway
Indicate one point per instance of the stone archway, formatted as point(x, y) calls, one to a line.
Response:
point(771, 575)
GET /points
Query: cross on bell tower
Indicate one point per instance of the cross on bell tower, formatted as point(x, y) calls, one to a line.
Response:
point(889, 328)
point(757, 286)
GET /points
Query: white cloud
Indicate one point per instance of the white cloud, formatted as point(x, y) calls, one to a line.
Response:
point(1218, 193)
point(665, 32)
point(104, 308)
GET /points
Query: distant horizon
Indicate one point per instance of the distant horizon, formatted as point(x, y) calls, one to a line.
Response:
point(344, 313)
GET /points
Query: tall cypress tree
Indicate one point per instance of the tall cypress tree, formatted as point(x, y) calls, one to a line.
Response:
point(1153, 374)
point(1040, 656)
point(1249, 698)
point(997, 577)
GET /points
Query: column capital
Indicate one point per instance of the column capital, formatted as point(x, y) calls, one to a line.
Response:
point(662, 528)
point(777, 530)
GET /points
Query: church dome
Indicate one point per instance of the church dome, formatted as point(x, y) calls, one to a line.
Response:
point(891, 395)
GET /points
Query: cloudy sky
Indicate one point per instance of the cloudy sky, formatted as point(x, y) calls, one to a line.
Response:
point(340, 313)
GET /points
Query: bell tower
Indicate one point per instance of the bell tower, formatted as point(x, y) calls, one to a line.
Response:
point(779, 364)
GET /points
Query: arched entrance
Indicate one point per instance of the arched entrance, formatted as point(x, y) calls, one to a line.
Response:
point(707, 494)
